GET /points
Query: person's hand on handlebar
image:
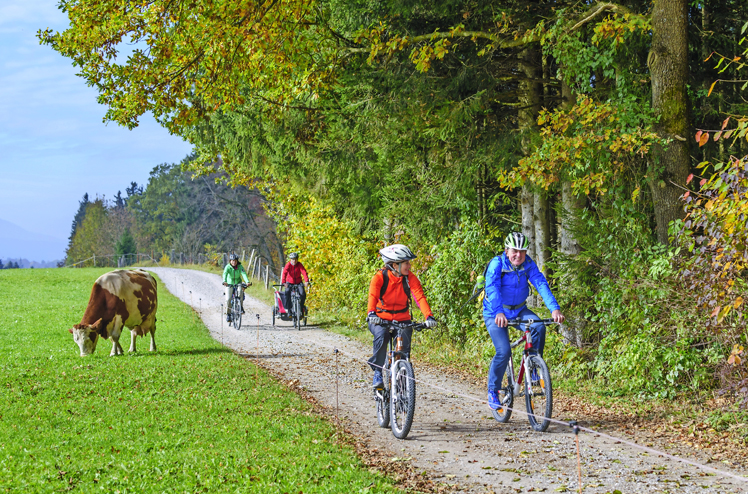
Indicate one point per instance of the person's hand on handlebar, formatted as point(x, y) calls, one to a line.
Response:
point(430, 322)
point(225, 284)
point(501, 320)
point(374, 319)
point(557, 316)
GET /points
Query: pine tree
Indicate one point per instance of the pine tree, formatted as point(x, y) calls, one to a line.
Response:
point(1, 264)
point(126, 244)
point(78, 219)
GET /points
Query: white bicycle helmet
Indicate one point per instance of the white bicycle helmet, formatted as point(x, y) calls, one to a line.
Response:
point(396, 253)
point(516, 241)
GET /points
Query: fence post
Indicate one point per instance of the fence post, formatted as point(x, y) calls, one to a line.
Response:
point(94, 258)
point(243, 251)
point(251, 259)
point(267, 273)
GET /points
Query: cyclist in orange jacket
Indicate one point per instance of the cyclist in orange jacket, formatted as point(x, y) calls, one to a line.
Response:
point(389, 300)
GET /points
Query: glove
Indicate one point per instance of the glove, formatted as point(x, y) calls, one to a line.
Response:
point(374, 319)
point(430, 322)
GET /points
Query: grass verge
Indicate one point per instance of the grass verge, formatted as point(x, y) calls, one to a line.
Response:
point(192, 417)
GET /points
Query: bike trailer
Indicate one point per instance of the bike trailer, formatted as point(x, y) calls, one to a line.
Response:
point(279, 303)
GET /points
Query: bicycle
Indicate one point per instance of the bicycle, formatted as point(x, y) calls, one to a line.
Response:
point(396, 401)
point(538, 389)
point(235, 305)
point(292, 313)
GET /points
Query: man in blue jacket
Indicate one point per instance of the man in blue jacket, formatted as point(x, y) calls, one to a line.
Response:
point(507, 287)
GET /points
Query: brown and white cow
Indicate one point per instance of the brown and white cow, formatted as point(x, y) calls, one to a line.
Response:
point(118, 298)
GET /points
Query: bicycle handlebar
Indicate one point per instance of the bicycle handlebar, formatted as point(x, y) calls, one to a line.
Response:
point(516, 323)
point(418, 326)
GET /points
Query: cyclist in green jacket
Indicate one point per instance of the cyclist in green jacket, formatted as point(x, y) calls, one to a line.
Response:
point(233, 274)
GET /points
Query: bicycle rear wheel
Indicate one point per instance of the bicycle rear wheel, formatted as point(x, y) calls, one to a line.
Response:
point(236, 317)
point(538, 394)
point(402, 399)
point(504, 412)
point(383, 399)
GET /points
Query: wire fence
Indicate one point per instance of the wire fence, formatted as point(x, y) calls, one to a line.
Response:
point(574, 426)
point(258, 267)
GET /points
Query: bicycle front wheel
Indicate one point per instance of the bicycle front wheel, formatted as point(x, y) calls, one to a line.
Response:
point(383, 400)
point(402, 399)
point(538, 394)
point(236, 317)
point(296, 308)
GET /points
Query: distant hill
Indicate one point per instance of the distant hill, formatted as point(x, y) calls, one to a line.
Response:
point(18, 244)
point(25, 263)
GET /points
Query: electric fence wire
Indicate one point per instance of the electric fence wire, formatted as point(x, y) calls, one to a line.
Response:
point(572, 424)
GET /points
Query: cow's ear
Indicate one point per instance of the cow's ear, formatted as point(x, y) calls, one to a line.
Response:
point(71, 329)
point(96, 325)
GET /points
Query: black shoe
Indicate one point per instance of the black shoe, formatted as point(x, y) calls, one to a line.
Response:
point(228, 317)
point(242, 311)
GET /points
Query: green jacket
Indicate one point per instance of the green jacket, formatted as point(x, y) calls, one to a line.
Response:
point(234, 276)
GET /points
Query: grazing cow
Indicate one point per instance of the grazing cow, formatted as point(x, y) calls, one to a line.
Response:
point(119, 298)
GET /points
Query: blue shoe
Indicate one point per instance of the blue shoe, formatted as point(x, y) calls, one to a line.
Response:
point(534, 375)
point(378, 381)
point(493, 400)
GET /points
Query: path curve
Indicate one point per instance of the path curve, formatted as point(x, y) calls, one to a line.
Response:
point(453, 439)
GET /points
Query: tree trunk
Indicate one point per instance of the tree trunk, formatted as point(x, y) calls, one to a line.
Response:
point(528, 223)
point(542, 230)
point(570, 207)
point(668, 64)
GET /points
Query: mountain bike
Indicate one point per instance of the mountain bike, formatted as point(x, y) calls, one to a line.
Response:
point(537, 389)
point(396, 401)
point(235, 305)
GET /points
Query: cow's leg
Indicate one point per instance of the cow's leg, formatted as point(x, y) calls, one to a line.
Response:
point(153, 337)
point(116, 347)
point(133, 338)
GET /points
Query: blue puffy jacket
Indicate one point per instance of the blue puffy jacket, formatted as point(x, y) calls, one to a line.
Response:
point(507, 287)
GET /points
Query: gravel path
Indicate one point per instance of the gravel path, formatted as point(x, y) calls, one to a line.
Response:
point(454, 439)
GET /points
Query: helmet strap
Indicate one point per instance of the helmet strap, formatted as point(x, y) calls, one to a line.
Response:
point(396, 272)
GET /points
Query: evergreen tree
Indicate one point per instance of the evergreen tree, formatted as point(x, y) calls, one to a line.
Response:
point(78, 219)
point(126, 244)
point(1, 264)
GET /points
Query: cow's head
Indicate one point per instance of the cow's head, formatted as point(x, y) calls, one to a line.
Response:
point(86, 335)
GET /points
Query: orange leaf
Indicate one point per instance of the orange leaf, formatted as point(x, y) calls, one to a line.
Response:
point(704, 139)
point(688, 193)
point(698, 136)
point(690, 177)
point(711, 88)
point(724, 124)
point(738, 302)
point(717, 136)
point(716, 311)
point(702, 182)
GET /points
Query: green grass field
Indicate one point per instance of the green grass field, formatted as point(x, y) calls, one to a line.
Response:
point(192, 417)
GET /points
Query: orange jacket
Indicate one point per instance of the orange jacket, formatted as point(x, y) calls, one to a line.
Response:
point(394, 298)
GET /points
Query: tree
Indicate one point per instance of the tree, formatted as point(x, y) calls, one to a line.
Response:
point(78, 218)
point(668, 65)
point(192, 59)
point(125, 244)
point(1, 264)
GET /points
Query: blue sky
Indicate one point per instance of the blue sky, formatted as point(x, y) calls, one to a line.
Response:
point(54, 146)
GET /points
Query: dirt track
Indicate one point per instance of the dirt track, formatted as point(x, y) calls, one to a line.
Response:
point(454, 439)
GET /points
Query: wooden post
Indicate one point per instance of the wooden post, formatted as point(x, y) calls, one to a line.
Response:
point(267, 273)
point(251, 259)
point(243, 251)
point(94, 258)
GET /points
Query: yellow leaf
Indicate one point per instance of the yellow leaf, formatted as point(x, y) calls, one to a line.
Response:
point(738, 302)
point(711, 88)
